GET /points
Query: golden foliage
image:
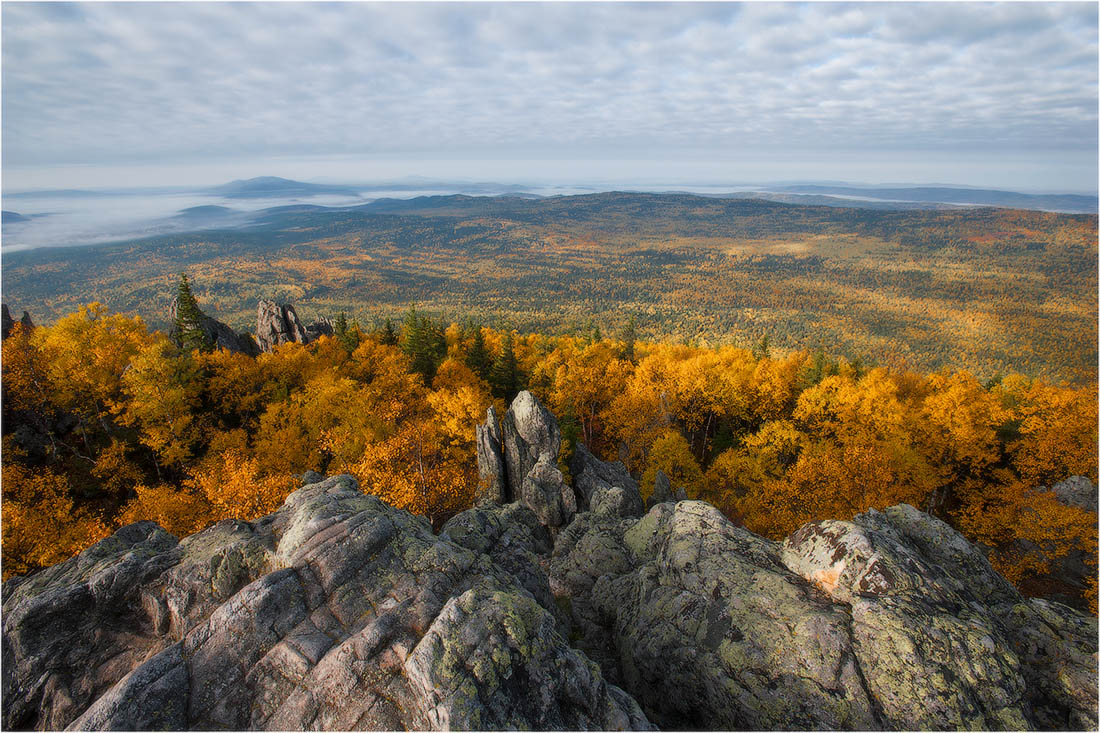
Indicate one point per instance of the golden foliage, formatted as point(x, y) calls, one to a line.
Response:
point(179, 510)
point(41, 524)
point(774, 441)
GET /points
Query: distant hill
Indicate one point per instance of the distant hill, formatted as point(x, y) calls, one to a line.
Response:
point(10, 217)
point(275, 187)
point(205, 212)
point(1068, 203)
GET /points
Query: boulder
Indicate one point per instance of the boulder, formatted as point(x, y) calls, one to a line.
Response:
point(1076, 491)
point(1056, 647)
point(662, 491)
point(278, 324)
point(932, 651)
point(513, 538)
point(545, 492)
point(590, 474)
point(6, 322)
point(492, 479)
point(892, 620)
point(335, 612)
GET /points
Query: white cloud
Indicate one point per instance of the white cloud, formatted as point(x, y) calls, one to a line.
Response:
point(99, 82)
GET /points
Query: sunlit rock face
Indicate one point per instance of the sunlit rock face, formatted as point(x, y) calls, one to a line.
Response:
point(278, 323)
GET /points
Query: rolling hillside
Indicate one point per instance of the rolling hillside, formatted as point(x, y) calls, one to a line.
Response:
point(991, 290)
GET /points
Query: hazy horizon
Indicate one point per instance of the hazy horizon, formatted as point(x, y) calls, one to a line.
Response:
point(999, 174)
point(107, 95)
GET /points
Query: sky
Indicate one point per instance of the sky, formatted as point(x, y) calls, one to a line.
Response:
point(996, 95)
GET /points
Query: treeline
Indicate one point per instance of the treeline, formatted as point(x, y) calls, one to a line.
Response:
point(106, 422)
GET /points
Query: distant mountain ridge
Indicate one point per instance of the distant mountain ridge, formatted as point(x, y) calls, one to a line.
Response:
point(274, 187)
point(1070, 203)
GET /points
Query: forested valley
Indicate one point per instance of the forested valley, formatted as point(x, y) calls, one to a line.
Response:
point(107, 422)
point(992, 291)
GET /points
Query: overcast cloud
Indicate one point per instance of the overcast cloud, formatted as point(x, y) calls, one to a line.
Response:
point(122, 83)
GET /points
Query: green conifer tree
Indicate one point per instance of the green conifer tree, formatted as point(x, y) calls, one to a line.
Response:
point(424, 343)
point(189, 333)
point(505, 378)
point(478, 357)
point(762, 350)
point(345, 334)
point(628, 336)
point(388, 334)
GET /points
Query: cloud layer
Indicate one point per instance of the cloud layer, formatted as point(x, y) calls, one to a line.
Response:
point(123, 82)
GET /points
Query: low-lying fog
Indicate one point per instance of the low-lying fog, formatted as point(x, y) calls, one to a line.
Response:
point(62, 218)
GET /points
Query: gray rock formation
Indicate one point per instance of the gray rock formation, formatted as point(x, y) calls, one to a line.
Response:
point(892, 620)
point(6, 322)
point(662, 491)
point(319, 328)
point(217, 333)
point(1076, 491)
point(339, 612)
point(492, 478)
point(590, 474)
point(545, 492)
point(528, 432)
point(529, 440)
point(278, 324)
point(335, 612)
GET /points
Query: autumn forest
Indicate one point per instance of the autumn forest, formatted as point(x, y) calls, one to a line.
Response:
point(785, 363)
point(107, 422)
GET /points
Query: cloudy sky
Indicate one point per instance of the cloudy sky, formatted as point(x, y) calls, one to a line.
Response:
point(980, 94)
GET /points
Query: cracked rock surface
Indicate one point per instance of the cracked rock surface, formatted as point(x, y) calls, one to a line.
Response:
point(339, 612)
point(335, 612)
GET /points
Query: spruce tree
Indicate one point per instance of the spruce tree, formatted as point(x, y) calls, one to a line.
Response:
point(388, 334)
point(188, 326)
point(424, 343)
point(477, 357)
point(762, 350)
point(505, 377)
point(629, 336)
point(347, 337)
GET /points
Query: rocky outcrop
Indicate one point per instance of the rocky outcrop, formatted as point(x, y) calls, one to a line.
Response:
point(891, 620)
point(335, 612)
point(544, 490)
point(492, 479)
point(1076, 491)
point(338, 611)
point(319, 328)
point(7, 323)
point(529, 432)
point(663, 491)
point(590, 474)
point(518, 461)
point(278, 324)
point(216, 333)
